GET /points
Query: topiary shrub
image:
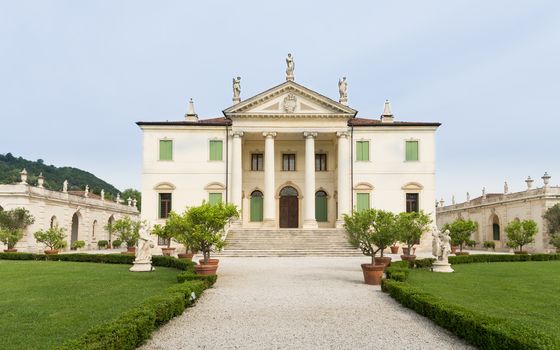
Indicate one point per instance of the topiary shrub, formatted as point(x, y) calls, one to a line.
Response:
point(189, 276)
point(78, 244)
point(102, 244)
point(117, 243)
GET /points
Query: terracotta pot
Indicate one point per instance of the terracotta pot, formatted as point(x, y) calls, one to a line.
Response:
point(395, 249)
point(167, 251)
point(11, 250)
point(205, 269)
point(405, 250)
point(408, 257)
point(372, 273)
point(51, 252)
point(185, 256)
point(454, 249)
point(386, 261)
point(210, 262)
point(131, 250)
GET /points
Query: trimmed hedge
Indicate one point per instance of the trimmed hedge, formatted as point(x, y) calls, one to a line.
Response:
point(189, 276)
point(157, 260)
point(481, 331)
point(487, 258)
point(134, 327)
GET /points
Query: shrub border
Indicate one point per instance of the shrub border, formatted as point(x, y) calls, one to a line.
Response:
point(133, 327)
point(482, 331)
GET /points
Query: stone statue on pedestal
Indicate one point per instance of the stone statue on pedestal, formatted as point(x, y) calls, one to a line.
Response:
point(65, 186)
point(236, 89)
point(143, 261)
point(441, 248)
point(343, 90)
point(290, 67)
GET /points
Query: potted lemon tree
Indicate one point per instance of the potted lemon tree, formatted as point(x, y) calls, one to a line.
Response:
point(371, 231)
point(127, 231)
point(460, 232)
point(410, 227)
point(520, 233)
point(12, 224)
point(167, 233)
point(53, 238)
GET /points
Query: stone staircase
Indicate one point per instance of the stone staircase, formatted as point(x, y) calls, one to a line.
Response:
point(287, 242)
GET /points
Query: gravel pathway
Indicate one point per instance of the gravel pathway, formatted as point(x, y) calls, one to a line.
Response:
point(298, 303)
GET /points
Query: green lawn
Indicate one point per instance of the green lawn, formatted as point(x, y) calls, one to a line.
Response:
point(523, 292)
point(44, 303)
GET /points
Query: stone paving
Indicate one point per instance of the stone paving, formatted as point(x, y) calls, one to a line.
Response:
point(298, 303)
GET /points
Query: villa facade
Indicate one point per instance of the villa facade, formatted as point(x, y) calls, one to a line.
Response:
point(288, 157)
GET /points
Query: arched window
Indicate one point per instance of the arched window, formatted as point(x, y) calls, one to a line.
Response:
point(54, 221)
point(256, 206)
point(110, 227)
point(321, 206)
point(288, 191)
point(94, 227)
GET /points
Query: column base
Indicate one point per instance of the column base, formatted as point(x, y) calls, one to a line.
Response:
point(310, 224)
point(339, 224)
point(269, 223)
point(440, 266)
point(142, 267)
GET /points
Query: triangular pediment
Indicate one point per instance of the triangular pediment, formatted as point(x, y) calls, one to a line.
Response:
point(290, 99)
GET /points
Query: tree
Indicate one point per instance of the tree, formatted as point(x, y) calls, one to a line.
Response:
point(127, 231)
point(371, 231)
point(520, 233)
point(201, 227)
point(134, 194)
point(12, 224)
point(411, 226)
point(52, 238)
point(552, 217)
point(460, 232)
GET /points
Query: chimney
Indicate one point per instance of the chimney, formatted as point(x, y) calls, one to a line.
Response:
point(40, 180)
point(191, 116)
point(546, 179)
point(387, 116)
point(529, 182)
point(23, 176)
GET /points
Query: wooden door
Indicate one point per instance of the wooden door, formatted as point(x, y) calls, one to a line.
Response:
point(289, 212)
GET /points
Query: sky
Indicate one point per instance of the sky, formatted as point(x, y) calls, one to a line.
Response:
point(76, 75)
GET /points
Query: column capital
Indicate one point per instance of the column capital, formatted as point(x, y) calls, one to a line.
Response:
point(236, 133)
point(342, 134)
point(309, 134)
point(269, 134)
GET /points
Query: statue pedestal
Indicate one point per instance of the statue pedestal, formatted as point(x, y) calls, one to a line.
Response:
point(440, 266)
point(142, 267)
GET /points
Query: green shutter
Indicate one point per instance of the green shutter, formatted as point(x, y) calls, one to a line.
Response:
point(215, 198)
point(362, 201)
point(257, 208)
point(165, 150)
point(411, 150)
point(362, 150)
point(321, 208)
point(215, 150)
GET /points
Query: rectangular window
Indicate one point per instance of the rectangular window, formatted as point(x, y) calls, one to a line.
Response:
point(411, 150)
point(215, 198)
point(165, 150)
point(216, 150)
point(320, 162)
point(164, 205)
point(289, 162)
point(257, 162)
point(362, 150)
point(362, 201)
point(412, 202)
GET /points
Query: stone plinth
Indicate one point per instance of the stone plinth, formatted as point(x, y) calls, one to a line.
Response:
point(440, 266)
point(142, 267)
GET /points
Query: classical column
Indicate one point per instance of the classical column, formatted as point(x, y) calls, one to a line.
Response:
point(309, 191)
point(344, 192)
point(236, 169)
point(269, 182)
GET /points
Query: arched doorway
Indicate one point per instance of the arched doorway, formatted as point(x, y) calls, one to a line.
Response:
point(495, 228)
point(289, 208)
point(321, 206)
point(256, 206)
point(110, 228)
point(75, 227)
point(54, 221)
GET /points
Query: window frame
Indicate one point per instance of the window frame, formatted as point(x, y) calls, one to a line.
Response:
point(211, 194)
point(210, 142)
point(289, 155)
point(160, 202)
point(171, 141)
point(417, 202)
point(319, 157)
point(259, 161)
point(406, 142)
point(358, 194)
point(358, 152)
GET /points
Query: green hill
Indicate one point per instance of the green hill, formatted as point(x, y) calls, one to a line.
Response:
point(10, 167)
